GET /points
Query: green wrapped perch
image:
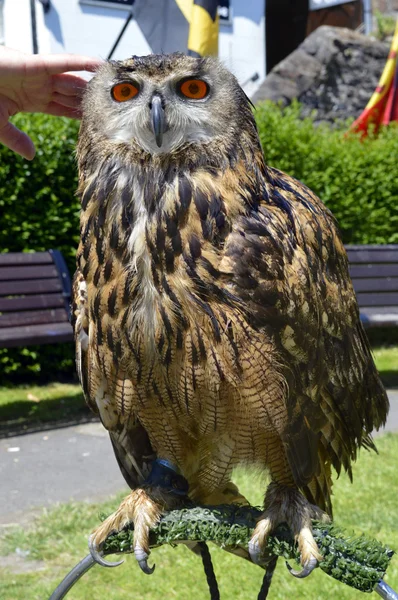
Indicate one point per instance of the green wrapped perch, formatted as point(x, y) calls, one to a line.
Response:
point(356, 561)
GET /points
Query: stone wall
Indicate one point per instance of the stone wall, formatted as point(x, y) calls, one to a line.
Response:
point(333, 72)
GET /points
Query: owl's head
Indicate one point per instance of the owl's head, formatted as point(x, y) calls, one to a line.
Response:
point(163, 103)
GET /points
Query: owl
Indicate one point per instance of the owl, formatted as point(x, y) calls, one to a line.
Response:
point(214, 317)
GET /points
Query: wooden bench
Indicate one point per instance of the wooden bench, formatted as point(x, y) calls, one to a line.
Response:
point(35, 291)
point(374, 273)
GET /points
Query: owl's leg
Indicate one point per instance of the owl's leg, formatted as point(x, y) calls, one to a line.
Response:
point(286, 504)
point(164, 491)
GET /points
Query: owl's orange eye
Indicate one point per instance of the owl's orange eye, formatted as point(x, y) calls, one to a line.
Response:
point(196, 89)
point(124, 91)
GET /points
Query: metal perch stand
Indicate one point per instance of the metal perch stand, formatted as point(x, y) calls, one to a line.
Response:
point(358, 562)
point(72, 577)
point(385, 591)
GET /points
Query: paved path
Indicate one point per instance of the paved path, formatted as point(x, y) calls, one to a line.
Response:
point(392, 421)
point(40, 469)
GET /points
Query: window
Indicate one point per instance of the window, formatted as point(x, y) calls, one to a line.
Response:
point(224, 11)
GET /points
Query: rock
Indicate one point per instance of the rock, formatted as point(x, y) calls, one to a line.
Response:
point(333, 73)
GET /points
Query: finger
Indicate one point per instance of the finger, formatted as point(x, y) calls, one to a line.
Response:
point(68, 101)
point(59, 63)
point(18, 141)
point(58, 110)
point(70, 85)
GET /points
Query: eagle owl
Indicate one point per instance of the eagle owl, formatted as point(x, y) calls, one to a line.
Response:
point(214, 316)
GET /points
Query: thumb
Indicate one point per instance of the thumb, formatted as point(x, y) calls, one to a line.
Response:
point(17, 140)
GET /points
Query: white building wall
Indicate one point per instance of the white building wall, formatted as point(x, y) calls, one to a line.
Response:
point(92, 30)
point(83, 29)
point(72, 27)
point(43, 33)
point(17, 25)
point(242, 44)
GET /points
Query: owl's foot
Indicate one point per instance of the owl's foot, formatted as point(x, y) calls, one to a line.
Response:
point(287, 505)
point(143, 507)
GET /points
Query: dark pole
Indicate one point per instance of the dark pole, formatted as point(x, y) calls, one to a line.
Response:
point(115, 45)
point(34, 27)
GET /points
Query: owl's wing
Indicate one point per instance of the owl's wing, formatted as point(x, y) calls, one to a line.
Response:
point(288, 266)
point(80, 324)
point(130, 440)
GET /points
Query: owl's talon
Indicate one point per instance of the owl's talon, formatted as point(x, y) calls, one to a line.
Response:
point(97, 555)
point(306, 570)
point(254, 551)
point(142, 559)
point(145, 567)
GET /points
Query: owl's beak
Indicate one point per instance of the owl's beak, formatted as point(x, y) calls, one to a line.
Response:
point(157, 118)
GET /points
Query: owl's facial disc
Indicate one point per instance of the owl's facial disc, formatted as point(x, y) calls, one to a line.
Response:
point(160, 115)
point(164, 104)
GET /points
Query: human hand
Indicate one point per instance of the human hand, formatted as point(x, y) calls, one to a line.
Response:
point(38, 83)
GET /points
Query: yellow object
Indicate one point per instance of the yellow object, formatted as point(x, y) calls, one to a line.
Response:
point(203, 28)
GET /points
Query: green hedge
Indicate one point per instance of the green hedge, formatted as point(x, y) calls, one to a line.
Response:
point(39, 210)
point(356, 179)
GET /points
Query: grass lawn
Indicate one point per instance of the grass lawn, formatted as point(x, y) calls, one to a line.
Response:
point(25, 407)
point(58, 539)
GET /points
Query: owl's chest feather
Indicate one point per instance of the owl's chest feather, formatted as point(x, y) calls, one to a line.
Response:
point(145, 295)
point(150, 257)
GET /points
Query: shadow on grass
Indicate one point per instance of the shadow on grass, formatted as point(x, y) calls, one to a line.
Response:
point(389, 379)
point(25, 416)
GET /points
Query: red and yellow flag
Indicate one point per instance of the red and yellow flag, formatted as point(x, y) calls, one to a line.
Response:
point(382, 108)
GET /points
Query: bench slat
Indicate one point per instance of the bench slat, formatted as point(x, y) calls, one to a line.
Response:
point(35, 286)
point(32, 302)
point(372, 246)
point(378, 284)
point(382, 316)
point(382, 299)
point(372, 256)
point(33, 317)
point(380, 310)
point(25, 258)
point(36, 334)
point(365, 271)
point(29, 272)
